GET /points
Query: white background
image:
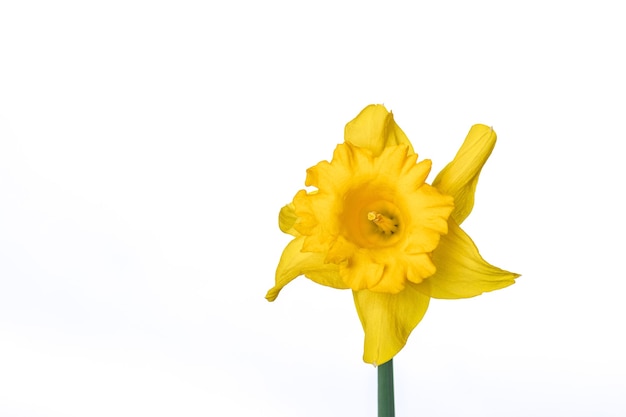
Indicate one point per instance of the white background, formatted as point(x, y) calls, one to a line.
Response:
point(146, 148)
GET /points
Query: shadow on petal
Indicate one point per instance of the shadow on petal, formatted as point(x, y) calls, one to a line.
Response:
point(461, 271)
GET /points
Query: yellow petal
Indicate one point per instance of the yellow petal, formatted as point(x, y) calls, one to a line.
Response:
point(387, 320)
point(461, 271)
point(459, 177)
point(375, 129)
point(294, 262)
point(287, 218)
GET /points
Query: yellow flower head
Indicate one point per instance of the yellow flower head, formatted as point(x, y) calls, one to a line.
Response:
point(373, 225)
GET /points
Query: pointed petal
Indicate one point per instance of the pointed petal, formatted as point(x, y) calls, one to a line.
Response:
point(461, 271)
point(387, 320)
point(375, 129)
point(459, 177)
point(287, 218)
point(294, 262)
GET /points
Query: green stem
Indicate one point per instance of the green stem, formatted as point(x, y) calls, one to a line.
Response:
point(385, 390)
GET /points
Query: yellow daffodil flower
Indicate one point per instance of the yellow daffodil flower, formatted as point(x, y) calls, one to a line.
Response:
point(374, 226)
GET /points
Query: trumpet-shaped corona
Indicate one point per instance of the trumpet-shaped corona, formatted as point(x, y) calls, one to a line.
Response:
point(373, 216)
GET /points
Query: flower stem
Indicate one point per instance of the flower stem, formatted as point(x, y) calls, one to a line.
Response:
point(386, 406)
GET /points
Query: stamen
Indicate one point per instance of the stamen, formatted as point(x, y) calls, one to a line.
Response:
point(385, 224)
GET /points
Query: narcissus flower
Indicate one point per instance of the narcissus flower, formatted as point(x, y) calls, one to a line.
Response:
point(373, 225)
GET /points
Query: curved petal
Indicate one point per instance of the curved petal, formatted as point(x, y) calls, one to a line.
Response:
point(375, 129)
point(459, 177)
point(294, 262)
point(387, 320)
point(461, 271)
point(287, 218)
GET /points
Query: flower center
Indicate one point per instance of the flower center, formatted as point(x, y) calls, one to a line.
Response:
point(370, 217)
point(386, 225)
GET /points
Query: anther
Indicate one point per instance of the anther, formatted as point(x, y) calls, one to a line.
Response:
point(384, 223)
